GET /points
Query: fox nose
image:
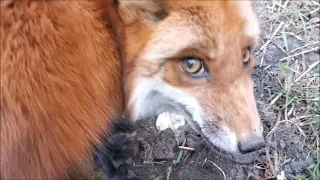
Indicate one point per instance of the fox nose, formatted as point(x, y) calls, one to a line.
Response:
point(251, 143)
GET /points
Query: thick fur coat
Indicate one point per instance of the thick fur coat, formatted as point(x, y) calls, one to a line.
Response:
point(60, 84)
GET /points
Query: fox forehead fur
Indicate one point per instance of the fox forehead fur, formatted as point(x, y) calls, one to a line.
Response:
point(160, 34)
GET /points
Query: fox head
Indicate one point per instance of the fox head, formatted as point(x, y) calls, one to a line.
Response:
point(194, 57)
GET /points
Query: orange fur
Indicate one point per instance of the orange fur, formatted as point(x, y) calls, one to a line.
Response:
point(60, 82)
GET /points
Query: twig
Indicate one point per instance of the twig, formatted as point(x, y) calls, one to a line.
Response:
point(301, 131)
point(314, 11)
point(204, 162)
point(316, 3)
point(279, 4)
point(262, 58)
point(304, 73)
point(272, 168)
point(294, 35)
point(224, 175)
point(277, 124)
point(275, 99)
point(297, 54)
point(274, 33)
point(276, 160)
point(187, 148)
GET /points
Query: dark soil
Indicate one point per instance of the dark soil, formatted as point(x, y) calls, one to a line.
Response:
point(158, 157)
point(159, 152)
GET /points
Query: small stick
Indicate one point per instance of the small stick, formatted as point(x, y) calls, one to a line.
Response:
point(187, 148)
point(316, 3)
point(275, 99)
point(297, 54)
point(224, 175)
point(274, 33)
point(204, 161)
point(304, 73)
point(272, 168)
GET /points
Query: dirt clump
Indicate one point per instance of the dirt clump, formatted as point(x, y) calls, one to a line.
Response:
point(160, 157)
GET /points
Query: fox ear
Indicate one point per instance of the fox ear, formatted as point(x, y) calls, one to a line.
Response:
point(146, 11)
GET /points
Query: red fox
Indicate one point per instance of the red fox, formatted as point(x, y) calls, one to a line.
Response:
point(61, 77)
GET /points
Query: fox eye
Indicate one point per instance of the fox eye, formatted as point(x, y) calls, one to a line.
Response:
point(246, 56)
point(193, 67)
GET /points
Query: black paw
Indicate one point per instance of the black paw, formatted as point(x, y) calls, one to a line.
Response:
point(110, 157)
point(123, 125)
point(118, 147)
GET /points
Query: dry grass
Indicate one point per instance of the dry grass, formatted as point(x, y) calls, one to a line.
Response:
point(289, 54)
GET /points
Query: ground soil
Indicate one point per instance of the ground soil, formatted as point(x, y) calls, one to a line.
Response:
point(159, 152)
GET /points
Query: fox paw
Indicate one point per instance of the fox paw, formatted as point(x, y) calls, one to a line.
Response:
point(115, 149)
point(170, 120)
